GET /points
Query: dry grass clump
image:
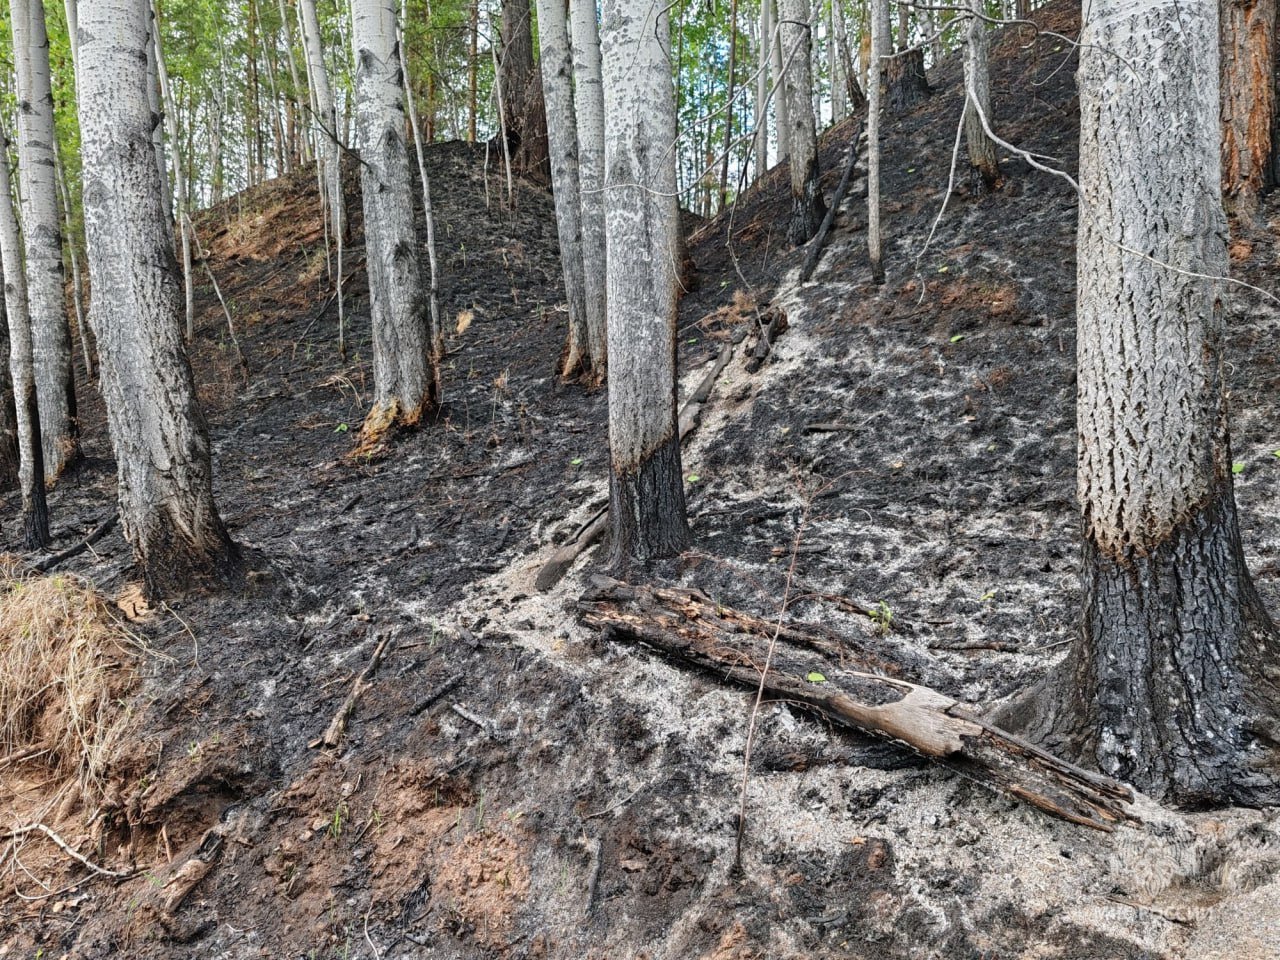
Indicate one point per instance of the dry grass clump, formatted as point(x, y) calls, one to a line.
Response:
point(66, 665)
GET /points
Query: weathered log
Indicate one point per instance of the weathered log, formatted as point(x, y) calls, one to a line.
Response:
point(333, 734)
point(855, 687)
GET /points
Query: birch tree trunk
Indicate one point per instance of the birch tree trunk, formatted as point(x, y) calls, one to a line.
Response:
point(327, 150)
point(182, 212)
point(403, 359)
point(761, 118)
point(646, 490)
point(588, 91)
point(839, 93)
point(156, 104)
point(1248, 46)
point(42, 235)
point(161, 444)
point(875, 71)
point(557, 91)
point(807, 207)
point(977, 102)
point(778, 65)
point(1172, 682)
point(35, 512)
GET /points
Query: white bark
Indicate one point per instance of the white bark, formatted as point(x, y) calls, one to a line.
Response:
point(642, 230)
point(589, 108)
point(167, 510)
point(562, 140)
point(761, 118)
point(41, 232)
point(22, 366)
point(777, 66)
point(179, 181)
point(156, 103)
point(326, 116)
point(73, 33)
point(878, 47)
point(403, 361)
point(1150, 173)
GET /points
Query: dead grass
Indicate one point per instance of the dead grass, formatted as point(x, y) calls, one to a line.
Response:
point(66, 665)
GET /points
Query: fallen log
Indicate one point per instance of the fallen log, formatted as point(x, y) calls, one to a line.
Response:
point(332, 735)
point(98, 532)
point(854, 687)
point(820, 241)
point(554, 569)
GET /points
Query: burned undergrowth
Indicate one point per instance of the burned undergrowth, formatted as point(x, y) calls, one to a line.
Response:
point(511, 785)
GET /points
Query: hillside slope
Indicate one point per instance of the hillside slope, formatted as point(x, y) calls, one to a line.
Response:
point(512, 786)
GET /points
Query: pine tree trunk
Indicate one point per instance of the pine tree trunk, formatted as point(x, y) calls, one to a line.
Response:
point(35, 512)
point(167, 510)
point(977, 82)
point(588, 92)
point(807, 208)
point(1248, 55)
point(646, 502)
point(905, 81)
point(525, 120)
point(873, 56)
point(403, 360)
point(1172, 683)
point(557, 89)
point(42, 236)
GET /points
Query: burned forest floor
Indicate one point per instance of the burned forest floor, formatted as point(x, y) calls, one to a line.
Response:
point(510, 784)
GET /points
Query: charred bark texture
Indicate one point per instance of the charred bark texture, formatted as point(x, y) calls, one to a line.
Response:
point(647, 519)
point(905, 83)
point(1248, 97)
point(525, 120)
point(8, 414)
point(807, 207)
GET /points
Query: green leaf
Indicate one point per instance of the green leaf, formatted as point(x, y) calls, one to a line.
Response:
point(943, 269)
point(989, 595)
point(576, 461)
point(341, 428)
point(1237, 467)
point(694, 478)
point(957, 338)
point(815, 677)
point(1276, 454)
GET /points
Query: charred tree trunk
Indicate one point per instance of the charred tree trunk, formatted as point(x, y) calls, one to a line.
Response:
point(807, 207)
point(157, 430)
point(1172, 684)
point(42, 238)
point(525, 120)
point(905, 81)
point(562, 132)
point(403, 359)
point(642, 222)
point(1248, 54)
point(589, 109)
point(977, 101)
point(9, 462)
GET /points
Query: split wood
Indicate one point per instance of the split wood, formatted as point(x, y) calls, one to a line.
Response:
point(854, 687)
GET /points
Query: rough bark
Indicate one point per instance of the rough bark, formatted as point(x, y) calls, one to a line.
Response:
point(557, 87)
point(807, 207)
point(9, 462)
point(525, 120)
point(588, 90)
point(156, 103)
point(977, 103)
point(647, 508)
point(403, 361)
point(1248, 100)
point(42, 237)
point(905, 83)
point(874, 57)
point(157, 430)
point(1173, 680)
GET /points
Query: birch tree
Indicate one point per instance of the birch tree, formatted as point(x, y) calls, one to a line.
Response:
point(1171, 683)
point(778, 65)
point(874, 58)
point(977, 100)
point(562, 138)
point(588, 88)
point(161, 444)
point(404, 362)
point(807, 207)
point(35, 512)
point(327, 152)
point(42, 237)
point(646, 492)
point(760, 118)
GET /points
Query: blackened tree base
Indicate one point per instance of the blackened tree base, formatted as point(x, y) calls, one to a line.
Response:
point(647, 511)
point(1174, 682)
point(807, 208)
